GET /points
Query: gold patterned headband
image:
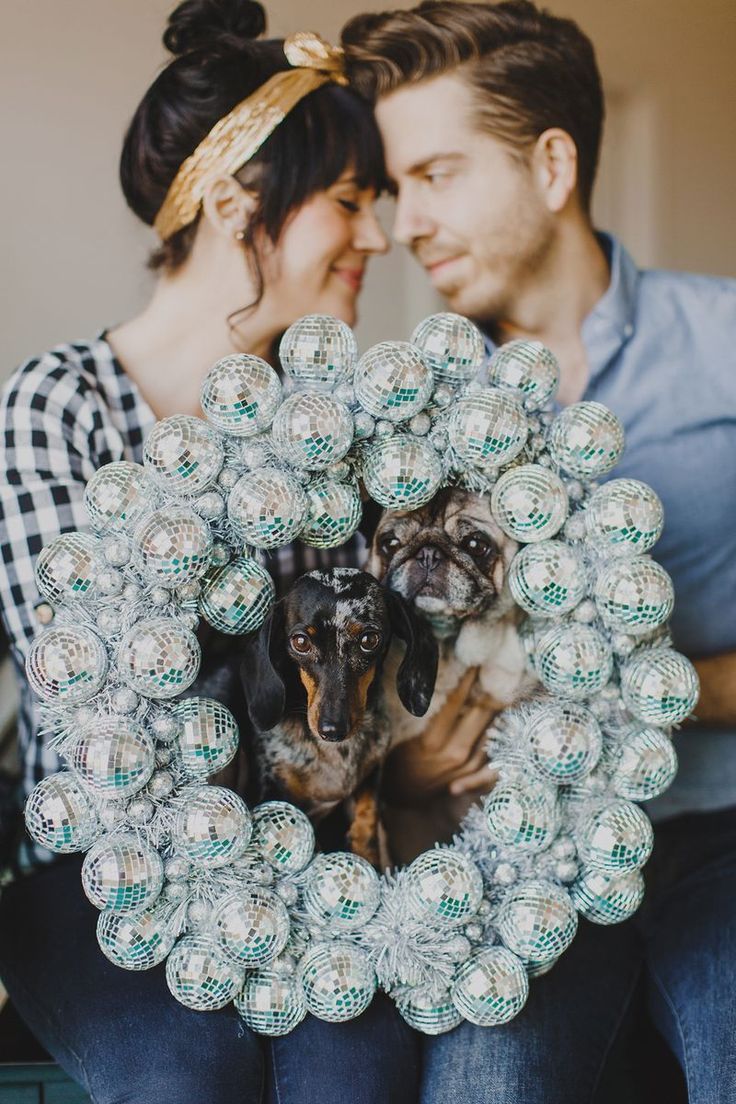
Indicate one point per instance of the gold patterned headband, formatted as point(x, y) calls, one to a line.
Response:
point(236, 137)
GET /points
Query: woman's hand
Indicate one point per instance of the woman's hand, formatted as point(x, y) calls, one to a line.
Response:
point(449, 755)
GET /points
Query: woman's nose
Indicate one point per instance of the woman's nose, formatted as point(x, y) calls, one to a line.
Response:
point(370, 237)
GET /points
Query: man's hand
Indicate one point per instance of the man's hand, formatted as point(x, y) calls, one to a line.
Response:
point(450, 753)
point(717, 702)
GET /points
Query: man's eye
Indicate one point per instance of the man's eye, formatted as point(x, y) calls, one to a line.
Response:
point(390, 543)
point(300, 642)
point(369, 641)
point(477, 546)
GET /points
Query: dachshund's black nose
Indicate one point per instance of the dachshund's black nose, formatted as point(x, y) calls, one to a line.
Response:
point(429, 557)
point(332, 732)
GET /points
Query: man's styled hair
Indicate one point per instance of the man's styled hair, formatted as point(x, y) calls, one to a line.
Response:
point(529, 70)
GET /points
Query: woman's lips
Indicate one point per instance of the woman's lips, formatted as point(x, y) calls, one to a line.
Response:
point(353, 277)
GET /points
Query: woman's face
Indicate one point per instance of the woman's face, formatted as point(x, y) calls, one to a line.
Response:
point(318, 263)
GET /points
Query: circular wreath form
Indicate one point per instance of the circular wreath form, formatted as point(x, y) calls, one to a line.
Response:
point(235, 900)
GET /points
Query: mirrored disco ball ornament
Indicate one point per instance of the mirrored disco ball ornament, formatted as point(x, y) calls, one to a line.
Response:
point(59, 814)
point(341, 890)
point(402, 473)
point(491, 987)
point(574, 660)
point(452, 347)
point(522, 814)
point(159, 658)
point(173, 546)
point(547, 579)
point(634, 595)
point(335, 511)
point(183, 455)
point(608, 898)
point(586, 440)
point(138, 941)
point(617, 837)
point(337, 980)
point(117, 496)
point(240, 395)
point(647, 765)
point(200, 975)
point(122, 874)
point(624, 516)
point(114, 756)
point(487, 429)
point(267, 508)
point(444, 887)
point(66, 664)
point(252, 926)
point(528, 369)
point(271, 1003)
point(66, 567)
point(537, 922)
point(392, 381)
point(212, 826)
point(283, 835)
point(659, 686)
point(312, 431)
point(529, 503)
point(318, 351)
point(429, 1012)
point(208, 736)
point(565, 742)
point(237, 597)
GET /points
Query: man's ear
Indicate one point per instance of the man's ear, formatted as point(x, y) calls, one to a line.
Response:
point(555, 167)
point(227, 206)
point(265, 693)
point(417, 672)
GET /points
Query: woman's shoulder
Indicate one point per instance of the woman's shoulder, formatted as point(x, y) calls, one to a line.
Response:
point(68, 376)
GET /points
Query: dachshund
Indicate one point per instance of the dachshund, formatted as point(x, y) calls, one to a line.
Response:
point(312, 677)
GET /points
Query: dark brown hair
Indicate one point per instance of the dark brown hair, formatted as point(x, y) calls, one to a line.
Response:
point(529, 70)
point(217, 64)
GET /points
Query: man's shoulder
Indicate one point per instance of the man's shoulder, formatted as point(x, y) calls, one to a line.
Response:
point(689, 296)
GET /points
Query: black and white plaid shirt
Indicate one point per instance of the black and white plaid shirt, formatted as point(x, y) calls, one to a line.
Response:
point(63, 415)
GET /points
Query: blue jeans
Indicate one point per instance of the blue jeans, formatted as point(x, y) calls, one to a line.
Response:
point(683, 943)
point(125, 1039)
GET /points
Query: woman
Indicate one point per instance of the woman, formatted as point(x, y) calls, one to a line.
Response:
point(274, 222)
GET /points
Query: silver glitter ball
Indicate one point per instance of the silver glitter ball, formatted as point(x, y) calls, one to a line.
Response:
point(109, 621)
point(114, 757)
point(110, 581)
point(267, 508)
point(624, 516)
point(402, 472)
point(586, 440)
point(183, 455)
point(522, 815)
point(177, 869)
point(140, 810)
point(634, 595)
point(117, 496)
point(161, 784)
point(529, 503)
point(159, 658)
point(335, 511)
point(199, 914)
point(647, 764)
point(271, 1003)
point(608, 898)
point(283, 835)
point(443, 887)
point(67, 566)
point(312, 431)
point(443, 395)
point(337, 980)
point(111, 816)
point(505, 874)
point(122, 874)
point(237, 597)
point(208, 736)
point(616, 838)
point(252, 926)
point(132, 593)
point(117, 550)
point(160, 596)
point(363, 425)
point(574, 660)
point(659, 686)
point(200, 975)
point(165, 727)
point(528, 369)
point(125, 701)
point(227, 478)
point(566, 871)
point(452, 346)
point(210, 505)
point(66, 665)
point(59, 814)
point(575, 527)
point(341, 890)
point(212, 826)
point(564, 740)
point(136, 942)
point(384, 429)
point(240, 395)
point(537, 922)
point(173, 546)
point(318, 351)
point(429, 1012)
point(547, 579)
point(491, 987)
point(393, 381)
point(586, 612)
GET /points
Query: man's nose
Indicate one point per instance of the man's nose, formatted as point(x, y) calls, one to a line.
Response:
point(410, 222)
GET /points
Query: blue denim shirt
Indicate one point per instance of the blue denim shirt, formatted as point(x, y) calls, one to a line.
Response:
point(661, 348)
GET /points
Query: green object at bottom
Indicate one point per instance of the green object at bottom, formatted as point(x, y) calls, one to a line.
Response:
point(38, 1083)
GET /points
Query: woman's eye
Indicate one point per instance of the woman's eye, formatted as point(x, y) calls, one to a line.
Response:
point(390, 543)
point(476, 546)
point(349, 205)
point(301, 643)
point(369, 641)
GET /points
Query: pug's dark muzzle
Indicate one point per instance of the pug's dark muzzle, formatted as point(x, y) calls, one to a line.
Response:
point(437, 576)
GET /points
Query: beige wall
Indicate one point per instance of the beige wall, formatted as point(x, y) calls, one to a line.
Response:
point(71, 73)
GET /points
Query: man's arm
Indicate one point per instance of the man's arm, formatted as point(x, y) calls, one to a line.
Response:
point(717, 702)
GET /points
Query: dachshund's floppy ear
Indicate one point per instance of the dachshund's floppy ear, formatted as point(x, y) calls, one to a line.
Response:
point(418, 670)
point(264, 688)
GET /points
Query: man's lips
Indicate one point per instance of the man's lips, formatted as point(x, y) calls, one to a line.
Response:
point(353, 277)
point(434, 268)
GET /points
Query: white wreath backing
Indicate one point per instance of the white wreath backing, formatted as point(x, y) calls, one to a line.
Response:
point(235, 900)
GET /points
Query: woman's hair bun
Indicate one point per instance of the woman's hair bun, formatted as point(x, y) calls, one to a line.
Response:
point(213, 25)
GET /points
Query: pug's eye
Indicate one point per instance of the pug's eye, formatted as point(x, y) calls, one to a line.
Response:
point(476, 545)
point(300, 642)
point(389, 543)
point(369, 641)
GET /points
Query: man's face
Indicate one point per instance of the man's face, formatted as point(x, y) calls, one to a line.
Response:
point(468, 209)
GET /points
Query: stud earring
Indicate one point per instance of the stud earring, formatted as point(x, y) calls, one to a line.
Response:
point(240, 235)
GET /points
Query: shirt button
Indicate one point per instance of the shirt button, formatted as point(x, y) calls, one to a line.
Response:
point(44, 613)
point(628, 330)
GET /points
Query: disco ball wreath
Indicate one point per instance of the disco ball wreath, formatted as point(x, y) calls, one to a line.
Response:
point(235, 900)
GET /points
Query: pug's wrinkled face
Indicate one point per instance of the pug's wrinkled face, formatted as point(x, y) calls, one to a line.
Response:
point(448, 558)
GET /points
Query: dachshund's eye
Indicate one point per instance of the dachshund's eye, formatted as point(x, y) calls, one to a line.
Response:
point(369, 641)
point(301, 643)
point(477, 546)
point(389, 543)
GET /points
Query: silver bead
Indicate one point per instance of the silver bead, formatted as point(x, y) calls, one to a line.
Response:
point(132, 592)
point(159, 596)
point(384, 429)
point(165, 728)
point(566, 871)
point(443, 395)
point(210, 505)
point(177, 869)
point(117, 551)
point(161, 784)
point(363, 424)
point(109, 581)
point(111, 816)
point(140, 810)
point(109, 621)
point(227, 478)
point(586, 612)
point(125, 700)
point(420, 424)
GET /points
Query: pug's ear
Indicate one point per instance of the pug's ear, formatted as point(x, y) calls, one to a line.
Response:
point(417, 673)
point(265, 693)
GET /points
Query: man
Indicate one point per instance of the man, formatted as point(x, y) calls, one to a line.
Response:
point(491, 116)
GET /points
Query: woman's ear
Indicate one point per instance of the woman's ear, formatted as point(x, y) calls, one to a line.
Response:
point(417, 672)
point(265, 693)
point(228, 206)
